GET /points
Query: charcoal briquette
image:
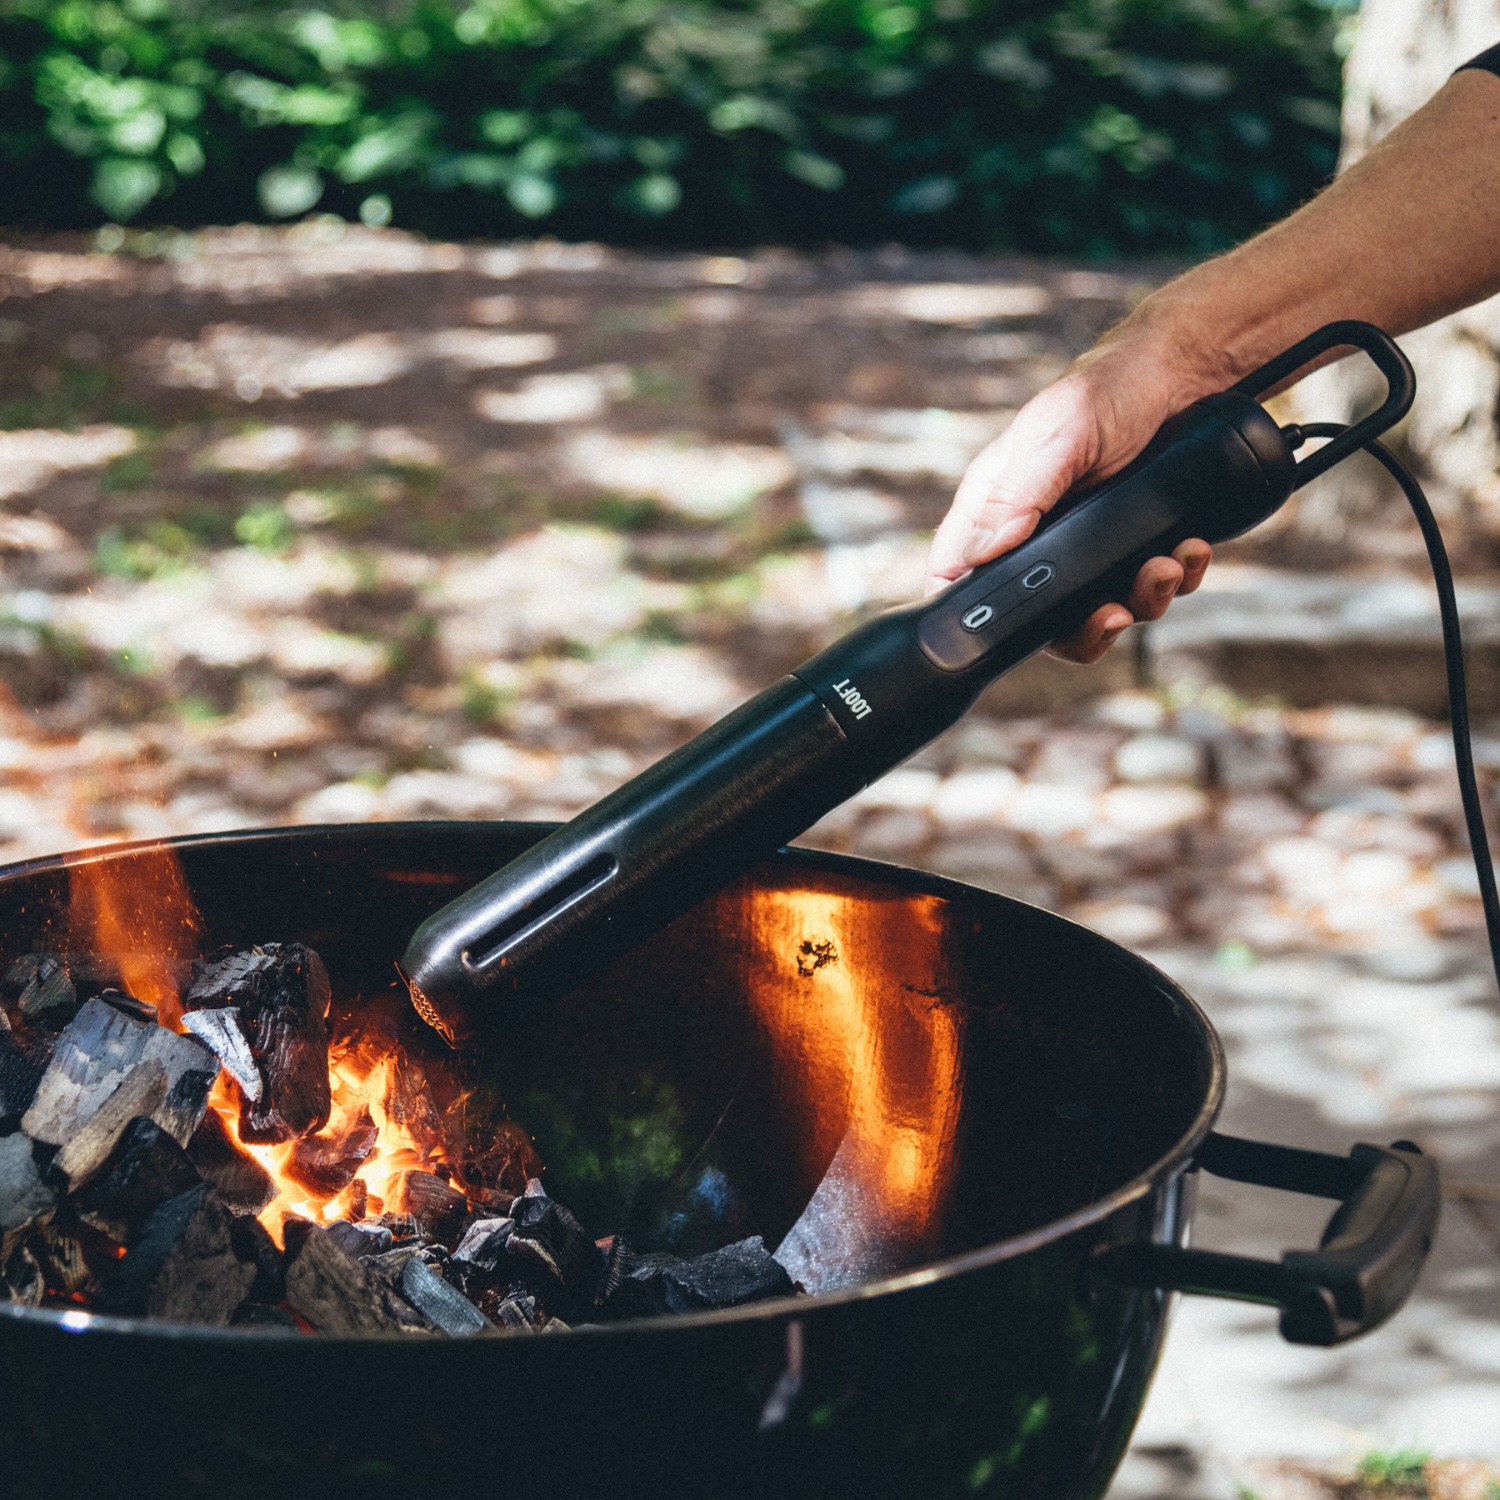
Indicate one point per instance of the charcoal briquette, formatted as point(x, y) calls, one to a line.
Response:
point(238, 1180)
point(483, 1244)
point(334, 1292)
point(184, 1266)
point(146, 1169)
point(21, 1281)
point(142, 1092)
point(92, 1057)
point(326, 1164)
point(729, 1277)
point(360, 1239)
point(442, 1305)
point(546, 1233)
point(25, 1200)
point(438, 1209)
point(281, 993)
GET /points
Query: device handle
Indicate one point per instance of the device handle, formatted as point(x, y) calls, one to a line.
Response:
point(1365, 1265)
point(1385, 355)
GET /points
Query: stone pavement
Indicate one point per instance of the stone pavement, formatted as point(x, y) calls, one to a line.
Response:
point(334, 525)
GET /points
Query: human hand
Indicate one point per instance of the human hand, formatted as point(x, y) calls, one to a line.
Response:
point(1083, 428)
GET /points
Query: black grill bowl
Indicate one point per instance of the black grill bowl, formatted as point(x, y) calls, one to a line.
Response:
point(1014, 1096)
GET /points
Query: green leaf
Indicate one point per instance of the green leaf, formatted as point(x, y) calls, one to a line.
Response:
point(654, 194)
point(531, 195)
point(817, 171)
point(391, 146)
point(123, 186)
point(288, 190)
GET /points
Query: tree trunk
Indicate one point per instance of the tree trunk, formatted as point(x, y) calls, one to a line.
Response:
point(1403, 53)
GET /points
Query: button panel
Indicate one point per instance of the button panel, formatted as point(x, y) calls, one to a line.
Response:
point(959, 635)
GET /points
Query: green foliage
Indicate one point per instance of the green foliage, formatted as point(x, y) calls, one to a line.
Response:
point(1401, 1471)
point(1085, 125)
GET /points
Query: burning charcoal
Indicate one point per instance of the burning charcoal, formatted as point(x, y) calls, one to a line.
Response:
point(86, 1150)
point(446, 1309)
point(437, 1208)
point(512, 1311)
point(183, 1267)
point(128, 1005)
point(145, 1170)
point(282, 996)
point(392, 1262)
point(360, 1240)
point(97, 1048)
point(25, 1200)
point(409, 1101)
point(359, 1200)
point(333, 1291)
point(742, 1272)
point(49, 987)
point(220, 1031)
point(255, 1247)
point(547, 1234)
point(326, 1164)
point(22, 1281)
point(483, 1244)
point(63, 1259)
point(183, 1109)
point(238, 1180)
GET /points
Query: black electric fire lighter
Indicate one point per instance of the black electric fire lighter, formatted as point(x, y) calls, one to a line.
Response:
point(771, 768)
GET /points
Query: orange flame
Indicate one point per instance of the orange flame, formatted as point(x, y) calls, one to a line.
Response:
point(363, 1075)
point(145, 920)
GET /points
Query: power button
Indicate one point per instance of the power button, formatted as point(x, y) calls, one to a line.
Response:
point(978, 617)
point(1039, 577)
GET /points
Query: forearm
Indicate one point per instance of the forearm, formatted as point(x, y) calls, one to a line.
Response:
point(1409, 233)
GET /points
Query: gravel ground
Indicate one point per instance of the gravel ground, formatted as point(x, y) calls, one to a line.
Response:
point(331, 525)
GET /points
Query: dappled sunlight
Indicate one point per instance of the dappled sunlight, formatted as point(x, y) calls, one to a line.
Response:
point(28, 459)
point(568, 396)
point(949, 301)
point(703, 480)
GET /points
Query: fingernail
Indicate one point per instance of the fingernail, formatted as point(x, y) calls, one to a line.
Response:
point(977, 548)
point(1166, 588)
point(1111, 636)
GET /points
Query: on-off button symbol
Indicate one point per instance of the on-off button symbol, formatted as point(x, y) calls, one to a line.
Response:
point(978, 617)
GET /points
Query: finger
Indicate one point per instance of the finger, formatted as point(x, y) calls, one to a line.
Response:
point(1156, 585)
point(1194, 556)
point(1012, 483)
point(1095, 636)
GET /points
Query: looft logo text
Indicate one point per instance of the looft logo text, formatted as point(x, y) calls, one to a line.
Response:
point(858, 705)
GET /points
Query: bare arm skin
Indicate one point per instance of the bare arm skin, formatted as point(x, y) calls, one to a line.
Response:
point(1410, 233)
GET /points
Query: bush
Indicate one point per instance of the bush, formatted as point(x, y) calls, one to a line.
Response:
point(1086, 125)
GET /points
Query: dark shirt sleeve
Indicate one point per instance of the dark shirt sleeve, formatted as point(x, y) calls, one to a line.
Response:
point(1489, 61)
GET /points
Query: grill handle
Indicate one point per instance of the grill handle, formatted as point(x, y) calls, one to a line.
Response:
point(1365, 1265)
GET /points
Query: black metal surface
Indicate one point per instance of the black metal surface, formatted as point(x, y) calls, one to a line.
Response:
point(1023, 1097)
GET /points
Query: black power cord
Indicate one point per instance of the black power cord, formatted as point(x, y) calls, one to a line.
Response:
point(1453, 659)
